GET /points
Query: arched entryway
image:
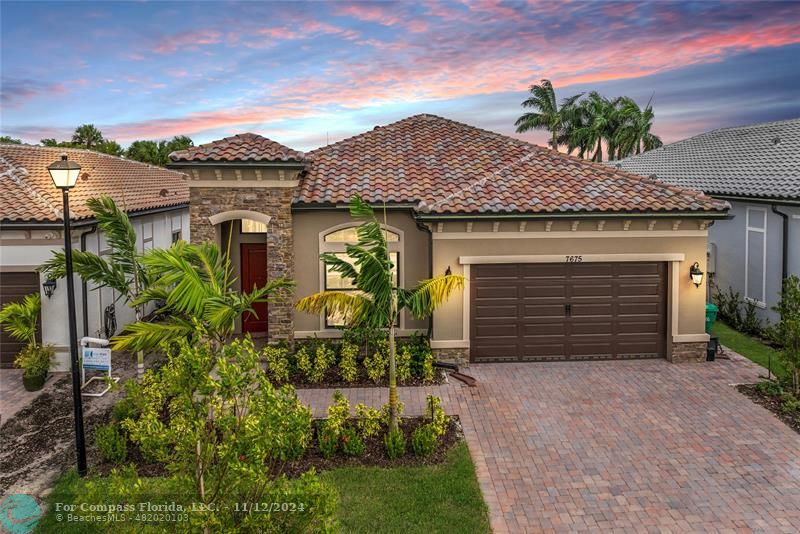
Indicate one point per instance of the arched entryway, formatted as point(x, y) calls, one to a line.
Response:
point(243, 234)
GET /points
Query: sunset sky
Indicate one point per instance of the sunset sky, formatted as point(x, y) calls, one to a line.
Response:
point(304, 73)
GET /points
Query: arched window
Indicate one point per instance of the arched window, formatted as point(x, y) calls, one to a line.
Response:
point(335, 240)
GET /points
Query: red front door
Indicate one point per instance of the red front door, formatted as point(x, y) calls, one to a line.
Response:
point(254, 273)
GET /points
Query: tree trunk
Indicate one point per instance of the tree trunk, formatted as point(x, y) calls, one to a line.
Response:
point(392, 381)
point(140, 354)
point(598, 155)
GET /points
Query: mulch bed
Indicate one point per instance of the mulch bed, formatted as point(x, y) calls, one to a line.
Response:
point(374, 454)
point(771, 403)
point(333, 380)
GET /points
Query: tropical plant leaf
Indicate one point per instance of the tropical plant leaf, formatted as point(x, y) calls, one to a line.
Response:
point(20, 319)
point(423, 300)
point(356, 309)
point(145, 336)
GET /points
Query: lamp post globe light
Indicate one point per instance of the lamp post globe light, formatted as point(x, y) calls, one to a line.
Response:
point(65, 175)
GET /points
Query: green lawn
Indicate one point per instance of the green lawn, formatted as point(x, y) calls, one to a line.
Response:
point(748, 347)
point(443, 498)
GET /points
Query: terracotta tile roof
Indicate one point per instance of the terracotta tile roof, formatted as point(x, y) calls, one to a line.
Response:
point(449, 167)
point(242, 147)
point(27, 192)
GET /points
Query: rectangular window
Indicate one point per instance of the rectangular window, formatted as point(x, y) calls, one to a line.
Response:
point(147, 236)
point(176, 236)
point(755, 265)
point(250, 226)
point(335, 282)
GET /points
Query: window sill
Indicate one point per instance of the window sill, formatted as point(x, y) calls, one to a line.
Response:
point(757, 303)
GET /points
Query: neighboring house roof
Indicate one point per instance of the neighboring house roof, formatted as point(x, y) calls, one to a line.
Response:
point(760, 160)
point(443, 166)
point(246, 147)
point(27, 193)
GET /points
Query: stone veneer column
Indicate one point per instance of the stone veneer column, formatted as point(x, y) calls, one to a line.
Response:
point(689, 352)
point(273, 201)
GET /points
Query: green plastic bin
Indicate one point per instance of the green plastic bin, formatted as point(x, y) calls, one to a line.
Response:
point(711, 315)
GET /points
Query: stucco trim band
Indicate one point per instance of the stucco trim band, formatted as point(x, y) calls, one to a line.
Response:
point(565, 258)
point(588, 234)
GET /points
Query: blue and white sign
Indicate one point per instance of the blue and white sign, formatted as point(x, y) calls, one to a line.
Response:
point(98, 359)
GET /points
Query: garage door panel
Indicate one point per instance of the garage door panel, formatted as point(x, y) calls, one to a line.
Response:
point(495, 292)
point(13, 288)
point(616, 310)
point(503, 271)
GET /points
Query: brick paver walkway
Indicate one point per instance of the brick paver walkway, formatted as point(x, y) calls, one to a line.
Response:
point(629, 446)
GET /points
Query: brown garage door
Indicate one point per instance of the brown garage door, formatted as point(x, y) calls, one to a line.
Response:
point(13, 287)
point(567, 311)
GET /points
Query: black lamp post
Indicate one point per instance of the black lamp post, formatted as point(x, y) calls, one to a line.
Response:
point(65, 175)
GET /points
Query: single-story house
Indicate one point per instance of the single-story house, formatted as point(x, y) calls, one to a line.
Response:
point(757, 169)
point(31, 227)
point(564, 259)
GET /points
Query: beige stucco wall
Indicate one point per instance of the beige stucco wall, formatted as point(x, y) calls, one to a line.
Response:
point(449, 319)
point(308, 225)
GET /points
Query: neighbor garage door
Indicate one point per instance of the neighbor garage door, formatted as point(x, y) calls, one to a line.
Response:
point(567, 311)
point(13, 287)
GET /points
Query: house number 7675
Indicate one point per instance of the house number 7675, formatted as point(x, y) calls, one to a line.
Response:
point(573, 259)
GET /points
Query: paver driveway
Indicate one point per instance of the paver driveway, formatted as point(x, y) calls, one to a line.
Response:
point(626, 445)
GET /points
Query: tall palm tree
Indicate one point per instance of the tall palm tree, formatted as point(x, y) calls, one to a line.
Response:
point(193, 284)
point(122, 269)
point(633, 135)
point(548, 116)
point(87, 136)
point(600, 119)
point(377, 302)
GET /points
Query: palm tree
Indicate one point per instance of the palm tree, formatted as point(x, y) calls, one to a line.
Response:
point(19, 319)
point(377, 302)
point(194, 284)
point(547, 116)
point(122, 269)
point(600, 120)
point(87, 136)
point(633, 136)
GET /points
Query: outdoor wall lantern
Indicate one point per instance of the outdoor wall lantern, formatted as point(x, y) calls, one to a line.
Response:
point(696, 274)
point(65, 175)
point(49, 287)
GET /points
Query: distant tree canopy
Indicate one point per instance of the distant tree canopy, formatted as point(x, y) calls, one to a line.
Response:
point(157, 152)
point(87, 136)
point(10, 140)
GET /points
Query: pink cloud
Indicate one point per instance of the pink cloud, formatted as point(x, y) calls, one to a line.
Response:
point(188, 40)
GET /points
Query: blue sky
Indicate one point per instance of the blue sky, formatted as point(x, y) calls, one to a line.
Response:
point(302, 73)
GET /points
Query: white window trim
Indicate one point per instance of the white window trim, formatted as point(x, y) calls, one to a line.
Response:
point(324, 247)
point(759, 303)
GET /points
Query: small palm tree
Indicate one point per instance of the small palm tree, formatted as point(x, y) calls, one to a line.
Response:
point(193, 284)
point(377, 302)
point(122, 269)
point(599, 121)
point(19, 319)
point(547, 116)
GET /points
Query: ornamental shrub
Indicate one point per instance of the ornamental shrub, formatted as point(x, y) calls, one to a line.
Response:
point(352, 443)
point(370, 420)
point(338, 413)
point(435, 413)
point(788, 329)
point(228, 433)
point(324, 358)
point(423, 440)
point(376, 366)
point(395, 442)
point(112, 443)
point(348, 361)
point(277, 360)
point(328, 440)
point(427, 367)
point(386, 409)
point(303, 362)
point(404, 363)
